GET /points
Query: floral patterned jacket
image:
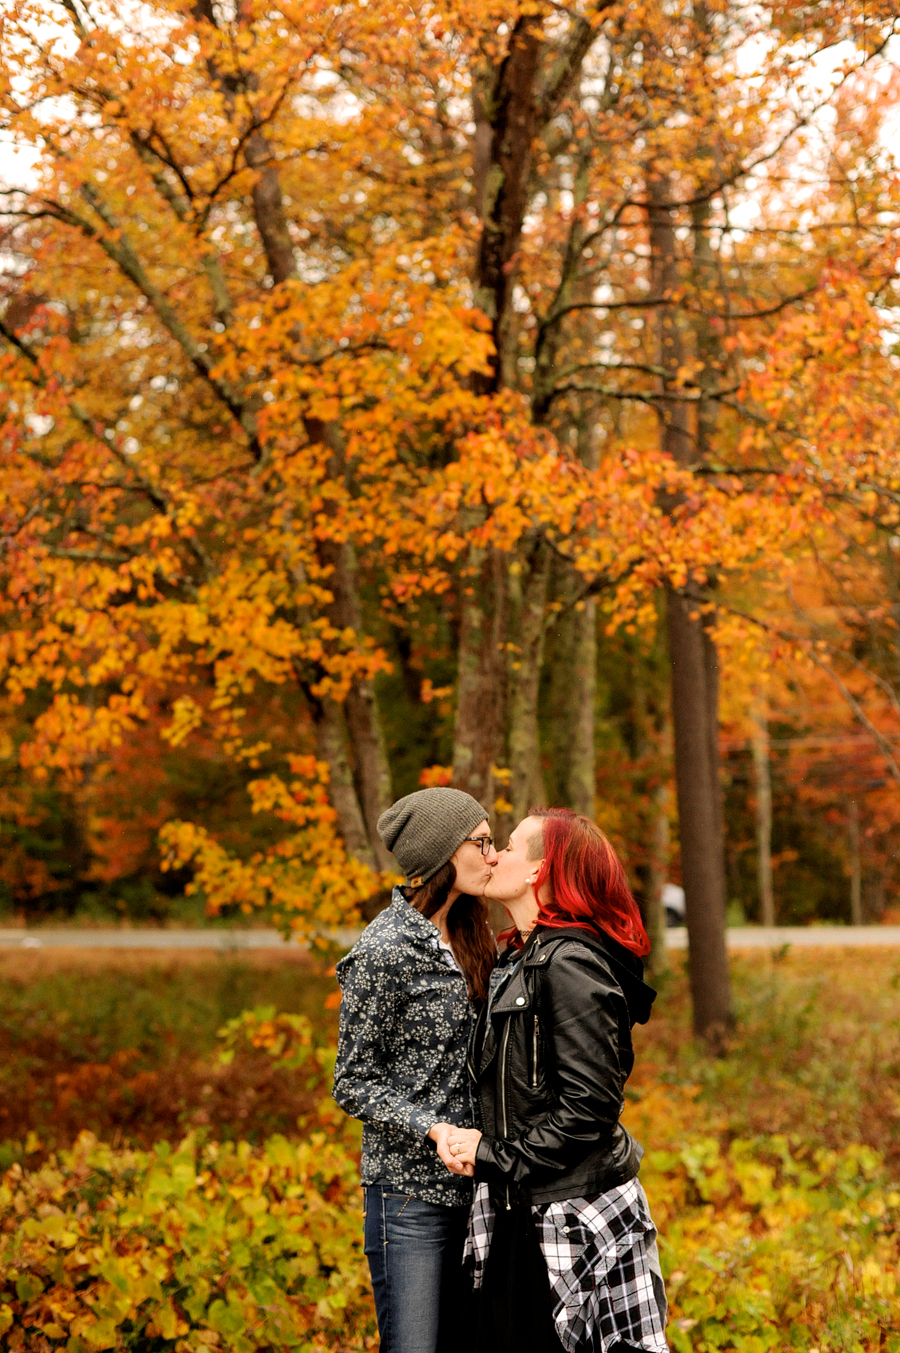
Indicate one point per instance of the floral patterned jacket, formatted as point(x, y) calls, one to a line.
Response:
point(401, 1061)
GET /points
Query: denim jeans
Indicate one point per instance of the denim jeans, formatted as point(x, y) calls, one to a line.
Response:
point(415, 1252)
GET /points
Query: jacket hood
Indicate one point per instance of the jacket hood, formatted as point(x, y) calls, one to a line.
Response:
point(625, 966)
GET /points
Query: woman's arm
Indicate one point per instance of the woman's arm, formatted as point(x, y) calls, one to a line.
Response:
point(365, 1084)
point(581, 1006)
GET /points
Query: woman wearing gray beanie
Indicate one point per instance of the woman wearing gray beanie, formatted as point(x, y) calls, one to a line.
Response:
point(410, 988)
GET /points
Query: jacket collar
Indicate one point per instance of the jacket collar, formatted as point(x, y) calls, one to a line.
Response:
point(624, 968)
point(415, 927)
point(516, 995)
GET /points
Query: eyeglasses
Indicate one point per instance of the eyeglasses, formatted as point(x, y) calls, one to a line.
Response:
point(485, 843)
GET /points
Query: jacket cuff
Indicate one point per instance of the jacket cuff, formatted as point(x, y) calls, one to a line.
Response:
point(422, 1121)
point(484, 1152)
point(485, 1162)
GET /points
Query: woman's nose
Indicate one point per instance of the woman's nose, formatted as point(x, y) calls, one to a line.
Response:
point(492, 857)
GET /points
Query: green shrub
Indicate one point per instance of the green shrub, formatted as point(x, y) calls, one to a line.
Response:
point(766, 1245)
point(771, 1242)
point(191, 1249)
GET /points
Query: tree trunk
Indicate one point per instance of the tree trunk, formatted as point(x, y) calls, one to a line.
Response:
point(331, 747)
point(362, 717)
point(763, 776)
point(856, 907)
point(711, 664)
point(373, 774)
point(581, 780)
point(481, 691)
point(358, 799)
point(657, 878)
point(528, 600)
point(268, 210)
point(702, 853)
point(694, 671)
point(571, 694)
point(511, 112)
point(511, 109)
point(512, 104)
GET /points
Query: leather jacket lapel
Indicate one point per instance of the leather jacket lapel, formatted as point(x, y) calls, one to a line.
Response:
point(515, 999)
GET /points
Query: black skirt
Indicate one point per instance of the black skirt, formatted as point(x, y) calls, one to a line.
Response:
point(514, 1308)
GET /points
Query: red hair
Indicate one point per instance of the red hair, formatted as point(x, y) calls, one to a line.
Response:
point(586, 882)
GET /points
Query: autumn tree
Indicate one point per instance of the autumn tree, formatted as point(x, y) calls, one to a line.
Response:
point(608, 243)
point(334, 339)
point(209, 379)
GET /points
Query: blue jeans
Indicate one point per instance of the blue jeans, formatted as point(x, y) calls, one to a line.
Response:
point(415, 1252)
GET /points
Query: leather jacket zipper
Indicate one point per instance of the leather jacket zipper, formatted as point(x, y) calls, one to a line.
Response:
point(503, 1046)
point(534, 1035)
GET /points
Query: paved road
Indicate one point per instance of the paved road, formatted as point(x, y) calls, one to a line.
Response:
point(238, 941)
point(808, 937)
point(225, 941)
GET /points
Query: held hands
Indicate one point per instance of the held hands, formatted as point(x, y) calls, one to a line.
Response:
point(462, 1144)
point(453, 1160)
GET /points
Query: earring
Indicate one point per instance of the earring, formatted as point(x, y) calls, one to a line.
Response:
point(530, 880)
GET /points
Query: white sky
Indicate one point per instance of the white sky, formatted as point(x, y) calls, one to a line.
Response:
point(17, 163)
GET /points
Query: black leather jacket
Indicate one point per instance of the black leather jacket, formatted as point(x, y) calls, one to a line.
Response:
point(550, 1069)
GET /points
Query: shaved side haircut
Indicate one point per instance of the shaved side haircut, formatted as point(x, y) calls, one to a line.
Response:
point(534, 845)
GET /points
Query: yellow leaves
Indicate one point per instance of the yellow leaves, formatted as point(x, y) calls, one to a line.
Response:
point(69, 731)
point(193, 441)
point(308, 878)
point(264, 1240)
point(764, 1239)
point(429, 692)
point(765, 1243)
point(287, 1039)
point(166, 1323)
point(186, 716)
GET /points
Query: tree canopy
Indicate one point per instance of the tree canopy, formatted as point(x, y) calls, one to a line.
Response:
point(362, 362)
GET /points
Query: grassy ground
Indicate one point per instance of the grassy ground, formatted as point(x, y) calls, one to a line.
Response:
point(125, 1044)
point(779, 1223)
point(816, 1049)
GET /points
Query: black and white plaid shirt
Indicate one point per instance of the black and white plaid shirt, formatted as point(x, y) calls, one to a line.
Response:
point(603, 1266)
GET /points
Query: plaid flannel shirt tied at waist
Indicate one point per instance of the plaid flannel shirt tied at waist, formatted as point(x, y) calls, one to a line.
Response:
point(603, 1266)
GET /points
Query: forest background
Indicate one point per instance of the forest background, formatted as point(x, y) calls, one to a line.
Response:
point(502, 395)
point(498, 395)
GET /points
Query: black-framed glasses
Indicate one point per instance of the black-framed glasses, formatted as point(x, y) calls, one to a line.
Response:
point(485, 843)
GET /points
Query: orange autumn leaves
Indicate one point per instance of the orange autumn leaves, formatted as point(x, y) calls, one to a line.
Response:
point(240, 336)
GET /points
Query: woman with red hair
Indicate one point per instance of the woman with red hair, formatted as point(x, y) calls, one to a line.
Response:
point(561, 1236)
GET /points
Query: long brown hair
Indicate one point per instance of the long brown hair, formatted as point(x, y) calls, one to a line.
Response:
point(471, 937)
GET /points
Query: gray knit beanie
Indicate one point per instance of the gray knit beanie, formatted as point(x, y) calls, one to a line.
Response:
point(424, 829)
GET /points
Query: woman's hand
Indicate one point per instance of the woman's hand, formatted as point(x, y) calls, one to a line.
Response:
point(462, 1144)
point(439, 1134)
